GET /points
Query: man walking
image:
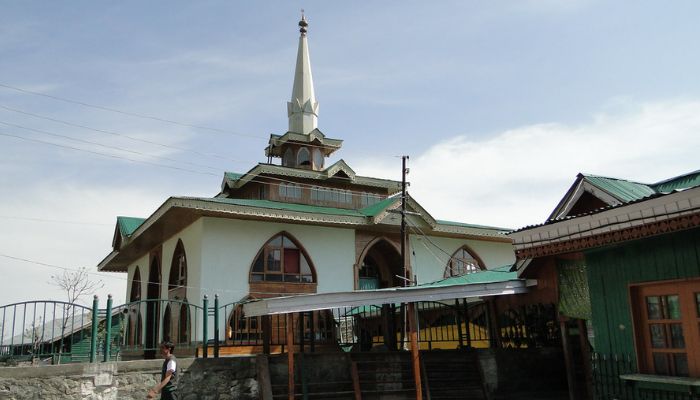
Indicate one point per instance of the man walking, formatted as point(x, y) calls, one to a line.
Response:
point(168, 376)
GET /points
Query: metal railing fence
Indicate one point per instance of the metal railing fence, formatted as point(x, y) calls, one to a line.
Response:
point(58, 332)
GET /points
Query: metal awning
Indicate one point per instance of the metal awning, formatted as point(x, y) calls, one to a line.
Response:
point(428, 292)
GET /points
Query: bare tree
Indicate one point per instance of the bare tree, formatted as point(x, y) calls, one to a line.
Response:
point(75, 284)
point(35, 341)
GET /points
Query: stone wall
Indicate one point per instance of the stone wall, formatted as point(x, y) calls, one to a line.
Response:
point(208, 379)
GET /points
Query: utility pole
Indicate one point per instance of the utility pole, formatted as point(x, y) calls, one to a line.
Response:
point(404, 172)
point(412, 311)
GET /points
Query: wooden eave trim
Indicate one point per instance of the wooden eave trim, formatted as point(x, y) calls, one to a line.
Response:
point(650, 229)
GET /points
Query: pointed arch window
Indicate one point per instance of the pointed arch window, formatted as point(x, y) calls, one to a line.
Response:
point(318, 159)
point(178, 267)
point(135, 294)
point(282, 259)
point(303, 157)
point(462, 262)
point(288, 158)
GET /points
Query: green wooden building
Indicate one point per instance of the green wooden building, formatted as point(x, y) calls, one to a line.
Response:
point(622, 261)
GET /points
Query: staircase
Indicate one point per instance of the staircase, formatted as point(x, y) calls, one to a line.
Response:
point(385, 375)
point(446, 374)
point(453, 374)
point(326, 377)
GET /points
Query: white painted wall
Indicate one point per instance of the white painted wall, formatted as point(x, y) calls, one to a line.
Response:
point(230, 246)
point(431, 259)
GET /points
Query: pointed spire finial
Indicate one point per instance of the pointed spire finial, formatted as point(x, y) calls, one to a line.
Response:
point(303, 24)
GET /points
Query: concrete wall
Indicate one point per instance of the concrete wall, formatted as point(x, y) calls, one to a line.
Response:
point(429, 262)
point(214, 379)
point(230, 247)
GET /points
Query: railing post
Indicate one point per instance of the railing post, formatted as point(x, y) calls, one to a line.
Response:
point(205, 328)
point(93, 337)
point(216, 326)
point(108, 328)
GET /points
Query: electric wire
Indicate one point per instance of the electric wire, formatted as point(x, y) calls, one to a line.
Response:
point(114, 133)
point(106, 146)
point(125, 279)
point(256, 180)
point(54, 220)
point(131, 114)
point(106, 155)
point(76, 125)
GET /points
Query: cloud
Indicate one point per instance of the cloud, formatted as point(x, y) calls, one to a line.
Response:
point(516, 177)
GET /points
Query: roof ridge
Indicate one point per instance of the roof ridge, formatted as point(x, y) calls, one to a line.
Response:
point(614, 178)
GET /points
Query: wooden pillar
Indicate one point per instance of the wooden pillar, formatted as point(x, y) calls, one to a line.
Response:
point(586, 355)
point(266, 321)
point(458, 318)
point(290, 354)
point(415, 353)
point(312, 322)
point(566, 344)
point(301, 332)
point(494, 327)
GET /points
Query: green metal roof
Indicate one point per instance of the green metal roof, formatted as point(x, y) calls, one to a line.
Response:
point(501, 274)
point(465, 225)
point(623, 190)
point(234, 176)
point(678, 183)
point(376, 208)
point(276, 205)
point(127, 225)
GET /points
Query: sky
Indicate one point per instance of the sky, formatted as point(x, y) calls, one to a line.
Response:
point(109, 108)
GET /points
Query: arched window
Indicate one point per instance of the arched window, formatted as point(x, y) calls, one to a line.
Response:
point(318, 159)
point(462, 262)
point(167, 324)
point(184, 324)
point(288, 158)
point(303, 157)
point(281, 259)
point(135, 294)
point(178, 267)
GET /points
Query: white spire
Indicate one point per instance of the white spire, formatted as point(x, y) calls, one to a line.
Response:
point(303, 109)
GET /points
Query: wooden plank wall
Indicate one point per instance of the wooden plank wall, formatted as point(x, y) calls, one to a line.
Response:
point(611, 270)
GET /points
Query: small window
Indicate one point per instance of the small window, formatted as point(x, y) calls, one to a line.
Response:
point(281, 260)
point(318, 159)
point(668, 328)
point(288, 158)
point(289, 191)
point(303, 157)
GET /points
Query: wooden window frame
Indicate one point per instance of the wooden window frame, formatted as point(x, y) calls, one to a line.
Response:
point(449, 268)
point(687, 291)
point(267, 249)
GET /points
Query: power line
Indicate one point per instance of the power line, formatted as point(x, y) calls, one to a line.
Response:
point(281, 180)
point(107, 155)
point(54, 220)
point(106, 146)
point(113, 133)
point(131, 114)
point(122, 278)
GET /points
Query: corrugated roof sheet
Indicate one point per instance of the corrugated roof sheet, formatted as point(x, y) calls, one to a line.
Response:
point(686, 181)
point(621, 189)
point(465, 225)
point(276, 205)
point(234, 176)
point(501, 274)
point(127, 225)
